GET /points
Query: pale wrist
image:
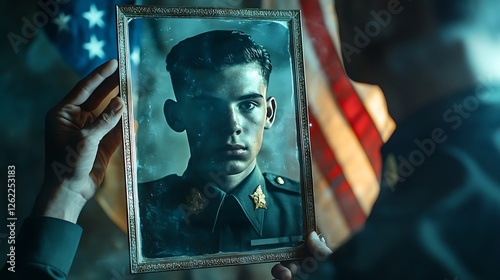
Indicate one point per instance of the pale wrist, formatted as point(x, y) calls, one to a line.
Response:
point(59, 203)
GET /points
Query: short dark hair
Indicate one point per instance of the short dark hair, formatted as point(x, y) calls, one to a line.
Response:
point(214, 51)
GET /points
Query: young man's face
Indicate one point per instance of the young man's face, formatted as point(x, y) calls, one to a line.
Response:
point(224, 115)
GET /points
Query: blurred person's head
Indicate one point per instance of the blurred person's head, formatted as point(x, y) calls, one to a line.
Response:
point(375, 33)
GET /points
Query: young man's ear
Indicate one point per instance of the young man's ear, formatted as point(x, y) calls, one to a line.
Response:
point(171, 111)
point(270, 112)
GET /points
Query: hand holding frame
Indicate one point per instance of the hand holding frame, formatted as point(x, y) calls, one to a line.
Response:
point(287, 270)
point(78, 145)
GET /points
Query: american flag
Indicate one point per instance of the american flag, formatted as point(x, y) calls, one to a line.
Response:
point(84, 32)
point(349, 123)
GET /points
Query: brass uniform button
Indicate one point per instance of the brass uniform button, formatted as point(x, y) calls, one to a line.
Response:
point(279, 180)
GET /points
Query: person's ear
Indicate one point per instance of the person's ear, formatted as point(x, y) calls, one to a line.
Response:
point(270, 112)
point(174, 120)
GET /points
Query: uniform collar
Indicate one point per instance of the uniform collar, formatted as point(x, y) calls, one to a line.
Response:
point(213, 198)
point(242, 194)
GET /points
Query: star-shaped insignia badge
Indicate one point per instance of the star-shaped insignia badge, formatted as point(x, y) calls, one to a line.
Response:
point(195, 200)
point(259, 198)
point(391, 176)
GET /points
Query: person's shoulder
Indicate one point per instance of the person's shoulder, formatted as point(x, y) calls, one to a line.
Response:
point(166, 181)
point(281, 183)
point(161, 186)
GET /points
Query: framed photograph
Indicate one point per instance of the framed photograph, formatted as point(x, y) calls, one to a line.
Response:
point(216, 136)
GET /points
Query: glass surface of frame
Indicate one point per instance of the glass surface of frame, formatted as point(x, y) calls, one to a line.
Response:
point(216, 141)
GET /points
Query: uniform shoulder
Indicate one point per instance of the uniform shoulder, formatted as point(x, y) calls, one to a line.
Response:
point(172, 178)
point(162, 185)
point(282, 182)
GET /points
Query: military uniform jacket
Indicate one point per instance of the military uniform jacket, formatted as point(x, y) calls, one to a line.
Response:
point(182, 216)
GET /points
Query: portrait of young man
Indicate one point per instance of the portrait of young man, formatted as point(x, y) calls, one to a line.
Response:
point(223, 201)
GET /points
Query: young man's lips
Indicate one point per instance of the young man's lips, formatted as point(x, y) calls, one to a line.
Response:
point(233, 149)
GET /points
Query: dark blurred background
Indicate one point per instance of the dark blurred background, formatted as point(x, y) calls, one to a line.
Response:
point(34, 76)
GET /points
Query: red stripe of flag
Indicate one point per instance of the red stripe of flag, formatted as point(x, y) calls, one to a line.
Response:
point(325, 159)
point(349, 102)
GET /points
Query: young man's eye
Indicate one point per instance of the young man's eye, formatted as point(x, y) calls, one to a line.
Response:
point(248, 105)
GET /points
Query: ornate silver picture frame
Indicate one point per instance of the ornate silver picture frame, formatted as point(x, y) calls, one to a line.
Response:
point(216, 136)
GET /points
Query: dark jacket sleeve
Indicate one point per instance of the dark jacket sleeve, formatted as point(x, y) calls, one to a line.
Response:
point(44, 249)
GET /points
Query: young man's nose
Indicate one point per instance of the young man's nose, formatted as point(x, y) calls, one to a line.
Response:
point(231, 122)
